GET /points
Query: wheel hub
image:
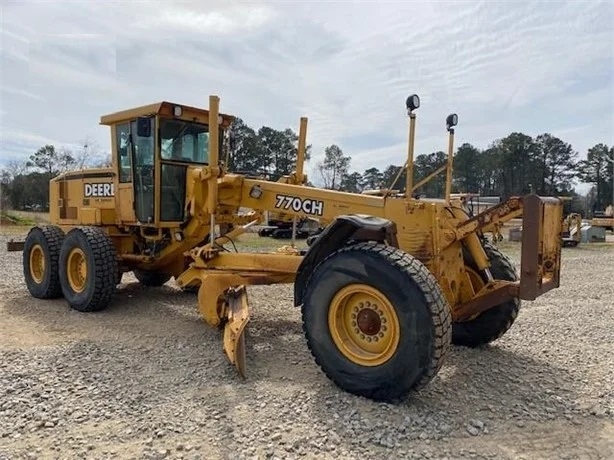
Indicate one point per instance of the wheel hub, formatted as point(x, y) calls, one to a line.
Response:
point(37, 263)
point(364, 325)
point(369, 321)
point(77, 270)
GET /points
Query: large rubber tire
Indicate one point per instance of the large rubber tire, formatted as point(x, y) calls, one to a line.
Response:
point(151, 278)
point(421, 313)
point(42, 247)
point(495, 322)
point(90, 252)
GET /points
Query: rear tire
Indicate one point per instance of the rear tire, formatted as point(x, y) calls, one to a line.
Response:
point(88, 274)
point(41, 253)
point(151, 278)
point(349, 300)
point(495, 322)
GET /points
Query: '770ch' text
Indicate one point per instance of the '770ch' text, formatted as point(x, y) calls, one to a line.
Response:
point(296, 204)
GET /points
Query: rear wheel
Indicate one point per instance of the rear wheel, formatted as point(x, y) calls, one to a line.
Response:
point(41, 253)
point(376, 321)
point(88, 272)
point(495, 322)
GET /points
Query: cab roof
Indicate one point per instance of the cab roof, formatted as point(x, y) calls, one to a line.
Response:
point(164, 108)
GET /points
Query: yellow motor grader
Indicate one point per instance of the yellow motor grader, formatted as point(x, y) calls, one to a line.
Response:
point(384, 289)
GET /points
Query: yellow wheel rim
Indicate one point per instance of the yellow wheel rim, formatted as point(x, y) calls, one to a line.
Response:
point(77, 270)
point(364, 325)
point(37, 263)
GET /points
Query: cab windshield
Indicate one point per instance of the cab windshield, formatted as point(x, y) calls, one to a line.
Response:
point(184, 141)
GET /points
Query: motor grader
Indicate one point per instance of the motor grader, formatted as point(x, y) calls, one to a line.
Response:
point(384, 289)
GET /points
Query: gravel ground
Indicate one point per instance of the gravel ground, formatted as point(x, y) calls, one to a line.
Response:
point(148, 379)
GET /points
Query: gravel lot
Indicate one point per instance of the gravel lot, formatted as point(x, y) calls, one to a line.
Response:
point(148, 379)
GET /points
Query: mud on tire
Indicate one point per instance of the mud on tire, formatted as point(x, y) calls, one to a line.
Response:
point(423, 327)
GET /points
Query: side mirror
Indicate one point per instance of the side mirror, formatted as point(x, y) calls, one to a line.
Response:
point(143, 127)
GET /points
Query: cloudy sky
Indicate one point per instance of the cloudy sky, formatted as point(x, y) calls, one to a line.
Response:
point(503, 66)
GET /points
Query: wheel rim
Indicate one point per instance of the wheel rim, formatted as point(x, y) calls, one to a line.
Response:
point(77, 270)
point(364, 325)
point(37, 263)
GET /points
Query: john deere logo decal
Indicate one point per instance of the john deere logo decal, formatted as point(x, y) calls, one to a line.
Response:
point(103, 190)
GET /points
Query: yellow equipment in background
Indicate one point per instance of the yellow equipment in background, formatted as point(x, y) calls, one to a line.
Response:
point(604, 219)
point(384, 290)
point(571, 231)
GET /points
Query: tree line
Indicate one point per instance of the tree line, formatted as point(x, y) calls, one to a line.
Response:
point(513, 165)
point(25, 184)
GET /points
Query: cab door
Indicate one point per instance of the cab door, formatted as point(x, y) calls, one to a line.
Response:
point(143, 155)
point(134, 141)
point(125, 190)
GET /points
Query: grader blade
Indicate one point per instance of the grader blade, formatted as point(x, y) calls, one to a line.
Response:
point(234, 337)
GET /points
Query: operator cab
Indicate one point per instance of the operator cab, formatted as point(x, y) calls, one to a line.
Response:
point(153, 147)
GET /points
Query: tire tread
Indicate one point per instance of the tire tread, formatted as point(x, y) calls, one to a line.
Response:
point(498, 324)
point(440, 311)
point(54, 236)
point(105, 268)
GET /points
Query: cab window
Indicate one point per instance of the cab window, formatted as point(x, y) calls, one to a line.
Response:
point(184, 141)
point(122, 133)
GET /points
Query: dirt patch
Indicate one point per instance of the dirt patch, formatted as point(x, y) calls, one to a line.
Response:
point(4, 222)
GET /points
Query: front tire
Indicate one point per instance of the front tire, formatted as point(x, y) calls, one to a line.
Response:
point(376, 321)
point(495, 322)
point(41, 253)
point(88, 274)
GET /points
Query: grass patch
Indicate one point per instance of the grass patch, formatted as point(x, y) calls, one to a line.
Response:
point(253, 241)
point(12, 218)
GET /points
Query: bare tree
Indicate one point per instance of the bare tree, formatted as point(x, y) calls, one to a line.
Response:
point(334, 168)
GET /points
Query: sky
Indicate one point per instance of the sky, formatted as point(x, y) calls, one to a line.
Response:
point(502, 66)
